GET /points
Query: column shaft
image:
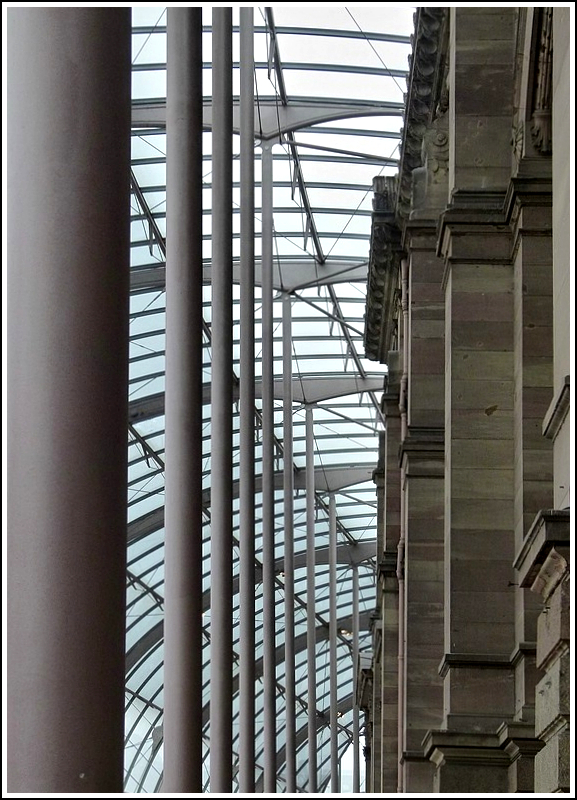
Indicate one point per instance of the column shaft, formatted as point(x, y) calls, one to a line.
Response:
point(221, 686)
point(333, 643)
point(311, 617)
point(356, 722)
point(288, 487)
point(247, 676)
point(183, 506)
point(68, 259)
point(268, 445)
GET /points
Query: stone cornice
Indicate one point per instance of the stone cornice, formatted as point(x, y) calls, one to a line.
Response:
point(383, 277)
point(424, 89)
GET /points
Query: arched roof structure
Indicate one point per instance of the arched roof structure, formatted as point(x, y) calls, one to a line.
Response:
point(329, 86)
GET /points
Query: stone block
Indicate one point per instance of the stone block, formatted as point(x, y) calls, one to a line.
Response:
point(488, 397)
point(493, 336)
point(469, 607)
point(482, 307)
point(494, 420)
point(477, 545)
point(537, 495)
point(537, 311)
point(484, 25)
point(494, 575)
point(537, 270)
point(553, 694)
point(467, 453)
point(480, 89)
point(482, 366)
point(538, 340)
point(469, 637)
point(475, 514)
point(483, 141)
point(462, 774)
point(553, 765)
point(553, 625)
point(476, 278)
point(428, 329)
point(490, 484)
point(494, 51)
point(425, 266)
point(481, 690)
point(427, 357)
point(537, 371)
point(419, 777)
point(425, 293)
point(428, 310)
point(488, 178)
point(426, 499)
point(536, 400)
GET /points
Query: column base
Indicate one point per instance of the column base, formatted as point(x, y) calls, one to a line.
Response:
point(518, 740)
point(418, 772)
point(467, 762)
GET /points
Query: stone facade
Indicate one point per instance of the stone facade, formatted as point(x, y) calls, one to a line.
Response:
point(468, 305)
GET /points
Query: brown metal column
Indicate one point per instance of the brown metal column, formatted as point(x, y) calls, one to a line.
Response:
point(183, 507)
point(221, 590)
point(68, 257)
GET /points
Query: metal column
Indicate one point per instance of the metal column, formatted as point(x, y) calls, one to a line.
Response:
point(333, 643)
point(221, 684)
point(268, 444)
point(311, 606)
point(68, 168)
point(289, 592)
point(246, 757)
point(183, 406)
point(356, 722)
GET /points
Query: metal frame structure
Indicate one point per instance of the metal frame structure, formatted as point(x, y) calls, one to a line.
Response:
point(304, 262)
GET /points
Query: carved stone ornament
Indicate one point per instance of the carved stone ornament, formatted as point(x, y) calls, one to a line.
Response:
point(383, 276)
point(517, 141)
point(541, 119)
point(420, 100)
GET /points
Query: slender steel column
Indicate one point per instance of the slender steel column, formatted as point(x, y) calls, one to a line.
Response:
point(289, 591)
point(268, 575)
point(183, 505)
point(311, 606)
point(333, 643)
point(68, 170)
point(246, 756)
point(356, 721)
point(221, 686)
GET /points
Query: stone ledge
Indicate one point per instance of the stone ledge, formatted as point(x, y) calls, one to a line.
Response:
point(549, 530)
point(518, 739)
point(481, 749)
point(486, 660)
point(558, 410)
point(522, 650)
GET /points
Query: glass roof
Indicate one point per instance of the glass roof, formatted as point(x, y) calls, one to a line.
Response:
point(343, 73)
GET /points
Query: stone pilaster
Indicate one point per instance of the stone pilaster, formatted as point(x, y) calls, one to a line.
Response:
point(528, 208)
point(388, 583)
point(376, 705)
point(423, 467)
point(479, 486)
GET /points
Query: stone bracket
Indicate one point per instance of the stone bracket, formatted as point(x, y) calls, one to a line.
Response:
point(558, 410)
point(549, 532)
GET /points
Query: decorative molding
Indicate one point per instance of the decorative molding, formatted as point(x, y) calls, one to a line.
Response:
point(384, 266)
point(549, 530)
point(541, 126)
point(426, 96)
point(468, 660)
